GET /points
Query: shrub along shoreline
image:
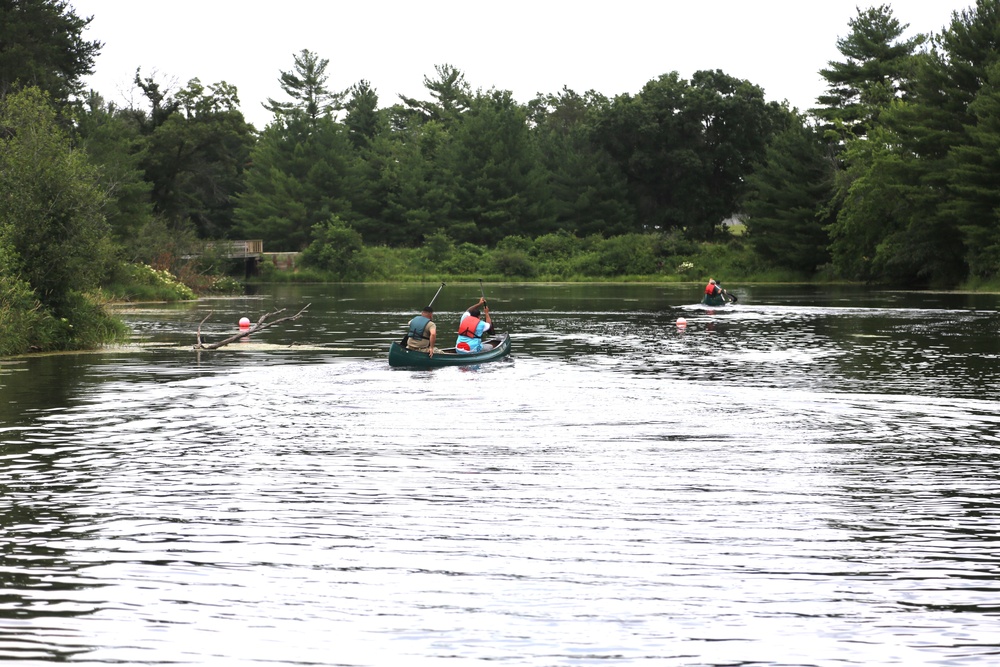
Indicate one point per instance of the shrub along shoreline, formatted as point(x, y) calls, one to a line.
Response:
point(338, 255)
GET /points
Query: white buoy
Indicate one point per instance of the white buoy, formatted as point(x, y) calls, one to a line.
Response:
point(681, 322)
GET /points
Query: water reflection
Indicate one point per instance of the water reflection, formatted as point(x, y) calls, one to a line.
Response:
point(778, 483)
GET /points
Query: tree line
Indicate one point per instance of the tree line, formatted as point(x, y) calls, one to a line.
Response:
point(892, 178)
point(897, 180)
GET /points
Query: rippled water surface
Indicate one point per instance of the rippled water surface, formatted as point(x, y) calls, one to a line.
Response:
point(807, 478)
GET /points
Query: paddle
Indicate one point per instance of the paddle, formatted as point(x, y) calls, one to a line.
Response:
point(482, 293)
point(439, 291)
point(726, 295)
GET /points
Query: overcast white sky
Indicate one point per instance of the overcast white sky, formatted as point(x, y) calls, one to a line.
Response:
point(525, 47)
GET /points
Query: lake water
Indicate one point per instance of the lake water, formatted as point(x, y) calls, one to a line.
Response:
point(809, 477)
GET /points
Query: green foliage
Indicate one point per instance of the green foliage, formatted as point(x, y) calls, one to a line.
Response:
point(388, 263)
point(42, 46)
point(112, 142)
point(86, 325)
point(878, 68)
point(687, 147)
point(54, 241)
point(162, 244)
point(729, 262)
point(338, 250)
point(197, 144)
point(438, 247)
point(51, 204)
point(646, 257)
point(671, 243)
point(627, 254)
point(919, 198)
point(226, 285)
point(558, 245)
point(463, 259)
point(585, 191)
point(303, 169)
point(900, 187)
point(512, 263)
point(873, 206)
point(364, 121)
point(299, 176)
point(976, 284)
point(788, 201)
point(973, 177)
point(451, 93)
point(21, 316)
point(26, 325)
point(497, 170)
point(515, 244)
point(141, 282)
point(306, 85)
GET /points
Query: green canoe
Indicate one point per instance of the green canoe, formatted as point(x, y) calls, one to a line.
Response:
point(717, 300)
point(400, 356)
point(720, 299)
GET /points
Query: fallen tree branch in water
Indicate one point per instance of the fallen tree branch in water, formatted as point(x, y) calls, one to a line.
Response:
point(262, 324)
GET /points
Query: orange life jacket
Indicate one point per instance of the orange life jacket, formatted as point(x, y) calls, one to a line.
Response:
point(468, 327)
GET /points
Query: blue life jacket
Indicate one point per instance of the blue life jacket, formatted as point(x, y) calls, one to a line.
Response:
point(418, 327)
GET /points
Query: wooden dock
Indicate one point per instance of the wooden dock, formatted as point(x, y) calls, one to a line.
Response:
point(252, 249)
point(249, 252)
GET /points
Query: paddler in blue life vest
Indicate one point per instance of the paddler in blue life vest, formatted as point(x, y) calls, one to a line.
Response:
point(422, 333)
point(471, 329)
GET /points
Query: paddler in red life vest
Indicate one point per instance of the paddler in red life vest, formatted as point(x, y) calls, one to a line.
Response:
point(471, 329)
point(711, 289)
point(422, 332)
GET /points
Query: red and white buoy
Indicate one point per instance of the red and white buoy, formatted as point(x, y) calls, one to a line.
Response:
point(244, 323)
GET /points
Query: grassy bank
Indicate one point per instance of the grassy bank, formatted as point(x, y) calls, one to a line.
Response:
point(80, 320)
point(657, 257)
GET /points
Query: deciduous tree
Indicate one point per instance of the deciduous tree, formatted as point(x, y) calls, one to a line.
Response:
point(687, 147)
point(52, 226)
point(112, 141)
point(196, 148)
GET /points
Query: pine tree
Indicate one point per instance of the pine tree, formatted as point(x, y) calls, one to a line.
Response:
point(306, 85)
point(877, 69)
point(946, 132)
point(298, 177)
point(787, 206)
point(42, 45)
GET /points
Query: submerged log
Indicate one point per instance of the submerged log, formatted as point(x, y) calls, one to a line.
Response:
point(261, 324)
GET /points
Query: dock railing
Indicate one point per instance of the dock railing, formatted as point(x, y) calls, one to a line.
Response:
point(237, 249)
